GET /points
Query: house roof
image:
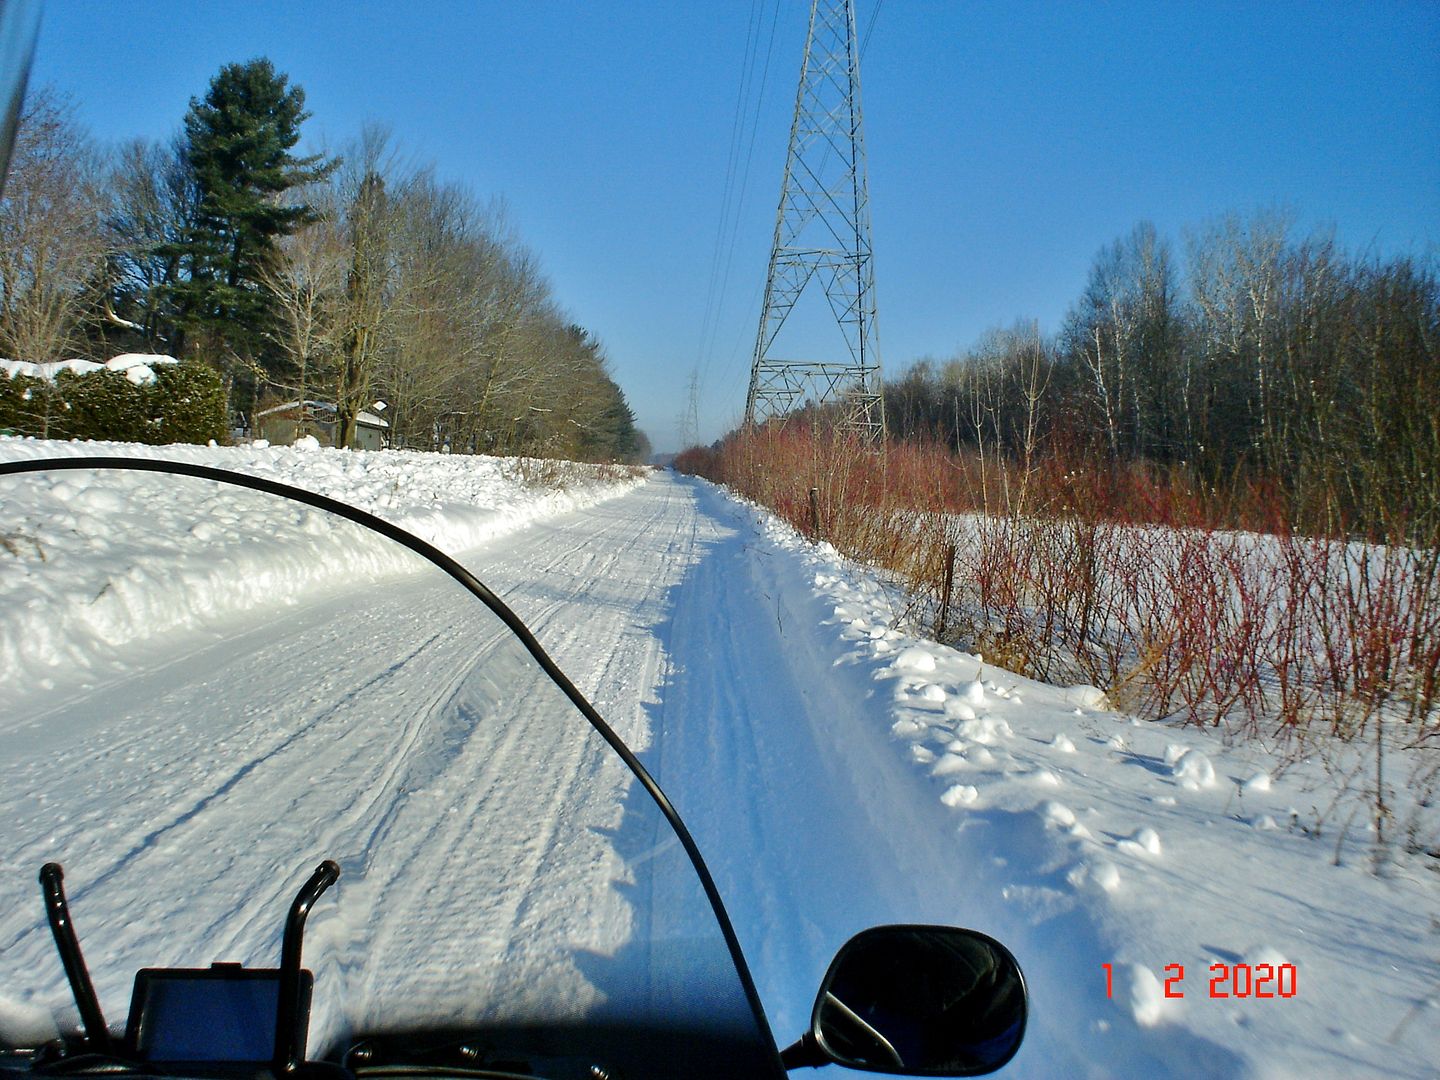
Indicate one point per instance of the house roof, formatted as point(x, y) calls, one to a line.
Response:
point(366, 418)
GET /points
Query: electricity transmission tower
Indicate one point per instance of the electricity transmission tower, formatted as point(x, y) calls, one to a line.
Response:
point(690, 419)
point(822, 230)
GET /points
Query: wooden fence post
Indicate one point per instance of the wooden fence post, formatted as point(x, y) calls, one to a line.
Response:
point(945, 593)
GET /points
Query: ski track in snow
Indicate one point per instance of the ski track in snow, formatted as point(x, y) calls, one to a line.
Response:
point(835, 773)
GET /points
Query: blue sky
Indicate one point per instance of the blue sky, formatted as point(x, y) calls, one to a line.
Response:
point(1008, 142)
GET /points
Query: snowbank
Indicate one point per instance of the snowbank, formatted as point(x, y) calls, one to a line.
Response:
point(125, 556)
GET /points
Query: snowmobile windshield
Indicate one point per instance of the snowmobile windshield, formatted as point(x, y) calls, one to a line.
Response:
point(209, 689)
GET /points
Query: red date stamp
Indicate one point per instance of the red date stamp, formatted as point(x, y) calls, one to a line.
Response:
point(1228, 981)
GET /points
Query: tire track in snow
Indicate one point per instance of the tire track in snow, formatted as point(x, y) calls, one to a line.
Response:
point(740, 759)
point(685, 636)
point(552, 575)
point(265, 729)
point(273, 750)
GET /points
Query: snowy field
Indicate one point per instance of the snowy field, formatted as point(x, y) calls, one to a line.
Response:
point(1181, 907)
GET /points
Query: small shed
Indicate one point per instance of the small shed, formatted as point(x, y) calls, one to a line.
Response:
point(282, 424)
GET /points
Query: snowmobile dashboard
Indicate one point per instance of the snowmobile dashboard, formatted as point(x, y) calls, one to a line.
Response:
point(220, 1020)
point(909, 1000)
point(223, 1013)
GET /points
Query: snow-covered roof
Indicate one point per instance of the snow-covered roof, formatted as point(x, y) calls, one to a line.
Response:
point(369, 419)
point(286, 406)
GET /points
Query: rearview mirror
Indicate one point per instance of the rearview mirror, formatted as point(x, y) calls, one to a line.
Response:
point(919, 1001)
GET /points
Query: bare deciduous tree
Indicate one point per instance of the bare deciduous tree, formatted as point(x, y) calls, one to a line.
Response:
point(307, 282)
point(52, 247)
point(153, 200)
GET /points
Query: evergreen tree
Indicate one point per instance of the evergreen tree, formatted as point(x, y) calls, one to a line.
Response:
point(237, 143)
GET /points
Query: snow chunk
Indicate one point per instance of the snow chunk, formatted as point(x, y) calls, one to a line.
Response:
point(974, 693)
point(1259, 782)
point(49, 370)
point(1086, 697)
point(1145, 841)
point(908, 729)
point(1056, 813)
point(1062, 742)
point(307, 442)
point(914, 659)
point(99, 500)
point(1193, 770)
point(986, 730)
point(949, 765)
point(1106, 875)
point(1138, 989)
point(960, 795)
point(1102, 873)
point(957, 709)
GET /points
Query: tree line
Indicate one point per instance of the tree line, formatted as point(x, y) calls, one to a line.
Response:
point(348, 278)
point(1266, 359)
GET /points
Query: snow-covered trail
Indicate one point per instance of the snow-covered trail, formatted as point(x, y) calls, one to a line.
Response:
point(783, 765)
point(369, 746)
point(788, 725)
point(487, 836)
point(836, 773)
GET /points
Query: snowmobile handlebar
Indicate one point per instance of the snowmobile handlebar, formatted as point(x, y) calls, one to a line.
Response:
point(288, 1051)
point(63, 928)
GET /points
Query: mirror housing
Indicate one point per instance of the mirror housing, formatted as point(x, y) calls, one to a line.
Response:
point(917, 1001)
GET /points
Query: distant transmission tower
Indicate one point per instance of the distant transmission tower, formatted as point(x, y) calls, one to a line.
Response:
point(822, 230)
point(690, 420)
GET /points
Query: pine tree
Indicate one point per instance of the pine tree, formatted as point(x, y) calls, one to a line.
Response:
point(237, 144)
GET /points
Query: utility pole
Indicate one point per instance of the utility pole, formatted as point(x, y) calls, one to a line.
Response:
point(822, 231)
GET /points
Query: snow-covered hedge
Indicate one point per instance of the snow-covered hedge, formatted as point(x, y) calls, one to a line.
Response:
point(127, 400)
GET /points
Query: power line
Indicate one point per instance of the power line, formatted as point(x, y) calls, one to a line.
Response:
point(744, 185)
point(750, 102)
point(732, 157)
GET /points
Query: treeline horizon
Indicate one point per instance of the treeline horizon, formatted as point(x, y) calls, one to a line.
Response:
point(351, 277)
point(1265, 366)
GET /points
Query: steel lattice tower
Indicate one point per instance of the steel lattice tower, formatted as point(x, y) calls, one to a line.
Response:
point(822, 229)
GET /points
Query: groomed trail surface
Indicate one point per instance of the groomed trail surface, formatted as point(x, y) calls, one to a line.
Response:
point(836, 773)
